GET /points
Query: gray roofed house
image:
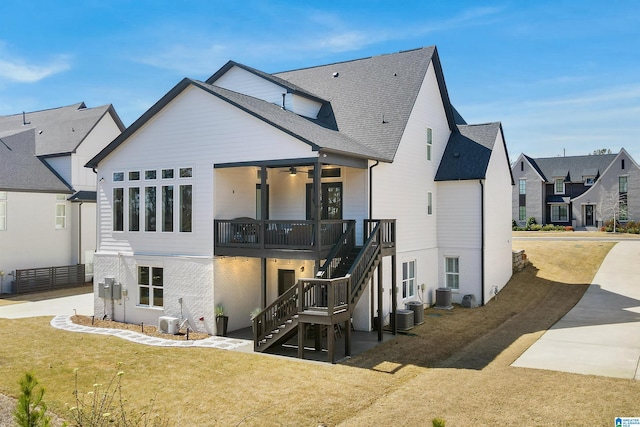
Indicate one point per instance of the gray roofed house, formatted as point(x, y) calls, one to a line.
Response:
point(45, 192)
point(240, 187)
point(571, 190)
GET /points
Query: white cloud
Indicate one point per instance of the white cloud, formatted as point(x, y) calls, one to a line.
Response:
point(18, 70)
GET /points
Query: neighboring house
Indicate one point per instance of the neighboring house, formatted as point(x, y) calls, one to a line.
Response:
point(211, 198)
point(580, 191)
point(47, 196)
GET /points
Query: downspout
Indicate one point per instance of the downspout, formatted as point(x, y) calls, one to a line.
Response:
point(373, 308)
point(80, 233)
point(481, 241)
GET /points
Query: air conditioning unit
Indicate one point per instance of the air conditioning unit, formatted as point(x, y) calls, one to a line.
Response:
point(168, 325)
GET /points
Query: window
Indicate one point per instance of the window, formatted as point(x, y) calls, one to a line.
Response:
point(186, 172)
point(622, 164)
point(330, 201)
point(61, 212)
point(559, 213)
point(150, 209)
point(151, 174)
point(3, 210)
point(452, 272)
point(167, 173)
point(522, 186)
point(429, 203)
point(589, 181)
point(185, 208)
point(150, 281)
point(167, 208)
point(134, 176)
point(522, 214)
point(134, 209)
point(521, 166)
point(118, 209)
point(429, 142)
point(118, 176)
point(624, 209)
point(326, 173)
point(622, 184)
point(408, 279)
point(559, 186)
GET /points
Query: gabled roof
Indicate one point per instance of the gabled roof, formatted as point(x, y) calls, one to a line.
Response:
point(306, 130)
point(371, 98)
point(575, 168)
point(22, 170)
point(290, 87)
point(468, 152)
point(59, 131)
point(83, 196)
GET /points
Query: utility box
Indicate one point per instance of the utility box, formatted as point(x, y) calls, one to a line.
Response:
point(105, 290)
point(469, 301)
point(418, 312)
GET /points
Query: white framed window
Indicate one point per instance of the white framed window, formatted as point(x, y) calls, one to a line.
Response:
point(589, 181)
point(150, 286)
point(3, 210)
point(558, 186)
point(452, 272)
point(118, 176)
point(118, 209)
point(429, 203)
point(429, 143)
point(134, 208)
point(134, 176)
point(522, 186)
point(559, 213)
point(409, 279)
point(61, 212)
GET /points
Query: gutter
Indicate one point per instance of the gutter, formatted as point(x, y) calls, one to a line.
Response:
point(371, 188)
point(481, 241)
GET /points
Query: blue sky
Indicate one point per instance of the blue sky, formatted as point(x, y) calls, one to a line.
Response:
point(561, 76)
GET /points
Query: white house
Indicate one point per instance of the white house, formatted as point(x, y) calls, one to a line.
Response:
point(228, 192)
point(47, 196)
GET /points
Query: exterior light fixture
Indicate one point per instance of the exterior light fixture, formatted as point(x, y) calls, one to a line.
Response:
point(292, 171)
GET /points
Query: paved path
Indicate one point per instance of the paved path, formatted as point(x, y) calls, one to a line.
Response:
point(63, 308)
point(601, 334)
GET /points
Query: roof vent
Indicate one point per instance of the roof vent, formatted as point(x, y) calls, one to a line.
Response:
point(336, 74)
point(456, 154)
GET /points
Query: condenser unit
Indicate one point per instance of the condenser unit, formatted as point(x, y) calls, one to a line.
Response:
point(168, 325)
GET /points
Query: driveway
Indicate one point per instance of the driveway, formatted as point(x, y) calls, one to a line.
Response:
point(601, 334)
point(74, 304)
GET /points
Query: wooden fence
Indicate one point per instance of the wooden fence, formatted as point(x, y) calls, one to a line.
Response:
point(49, 278)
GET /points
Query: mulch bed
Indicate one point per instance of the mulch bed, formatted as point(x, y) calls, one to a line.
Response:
point(149, 330)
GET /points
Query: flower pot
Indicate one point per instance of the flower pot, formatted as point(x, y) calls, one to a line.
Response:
point(221, 325)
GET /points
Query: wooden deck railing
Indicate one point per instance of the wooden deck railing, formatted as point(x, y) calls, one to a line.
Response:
point(342, 248)
point(49, 278)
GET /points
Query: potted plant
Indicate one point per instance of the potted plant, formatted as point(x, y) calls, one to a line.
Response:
point(221, 321)
point(252, 316)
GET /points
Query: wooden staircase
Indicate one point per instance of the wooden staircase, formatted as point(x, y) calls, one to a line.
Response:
point(329, 298)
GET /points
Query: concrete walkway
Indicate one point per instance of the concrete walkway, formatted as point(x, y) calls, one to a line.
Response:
point(601, 334)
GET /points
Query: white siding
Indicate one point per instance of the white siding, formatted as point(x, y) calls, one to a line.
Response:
point(497, 221)
point(242, 81)
point(196, 130)
point(62, 166)
point(31, 239)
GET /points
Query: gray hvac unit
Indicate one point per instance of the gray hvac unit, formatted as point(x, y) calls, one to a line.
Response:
point(418, 311)
point(404, 319)
point(443, 298)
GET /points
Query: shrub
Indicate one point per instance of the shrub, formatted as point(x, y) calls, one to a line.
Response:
point(437, 422)
point(568, 228)
point(535, 227)
point(31, 410)
point(531, 221)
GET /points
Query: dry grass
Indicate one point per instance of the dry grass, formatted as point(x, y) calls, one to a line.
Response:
point(149, 330)
point(456, 366)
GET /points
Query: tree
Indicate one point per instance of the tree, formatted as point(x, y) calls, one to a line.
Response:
point(31, 411)
point(600, 151)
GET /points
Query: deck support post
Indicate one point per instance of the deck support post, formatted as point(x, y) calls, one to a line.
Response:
point(301, 337)
point(380, 306)
point(347, 337)
point(394, 296)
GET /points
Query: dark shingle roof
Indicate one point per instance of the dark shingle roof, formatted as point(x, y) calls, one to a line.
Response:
point(468, 152)
point(83, 196)
point(58, 130)
point(21, 170)
point(371, 98)
point(576, 168)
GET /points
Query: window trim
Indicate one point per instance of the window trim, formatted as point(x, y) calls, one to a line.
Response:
point(522, 213)
point(448, 273)
point(429, 142)
point(61, 202)
point(3, 210)
point(151, 286)
point(429, 203)
point(626, 184)
point(409, 287)
point(558, 218)
point(522, 186)
point(555, 186)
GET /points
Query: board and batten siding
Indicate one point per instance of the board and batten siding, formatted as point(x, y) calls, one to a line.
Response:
point(195, 130)
point(497, 221)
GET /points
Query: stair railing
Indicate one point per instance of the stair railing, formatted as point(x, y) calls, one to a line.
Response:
point(367, 258)
point(275, 314)
point(342, 248)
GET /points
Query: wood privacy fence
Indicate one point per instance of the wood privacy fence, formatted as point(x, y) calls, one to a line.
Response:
point(49, 278)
